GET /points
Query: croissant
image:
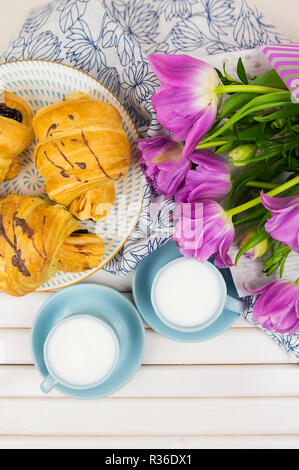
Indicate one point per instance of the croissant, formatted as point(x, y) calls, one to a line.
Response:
point(37, 239)
point(16, 133)
point(83, 149)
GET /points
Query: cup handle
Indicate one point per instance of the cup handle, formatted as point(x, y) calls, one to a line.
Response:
point(48, 384)
point(234, 305)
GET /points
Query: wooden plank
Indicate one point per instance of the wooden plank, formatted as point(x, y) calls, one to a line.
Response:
point(149, 416)
point(150, 442)
point(232, 347)
point(20, 312)
point(246, 345)
point(176, 381)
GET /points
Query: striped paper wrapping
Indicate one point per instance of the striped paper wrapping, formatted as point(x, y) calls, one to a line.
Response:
point(285, 60)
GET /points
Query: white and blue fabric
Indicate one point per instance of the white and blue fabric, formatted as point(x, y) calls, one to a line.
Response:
point(290, 343)
point(111, 39)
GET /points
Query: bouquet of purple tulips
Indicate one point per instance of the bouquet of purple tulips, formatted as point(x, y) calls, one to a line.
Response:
point(256, 128)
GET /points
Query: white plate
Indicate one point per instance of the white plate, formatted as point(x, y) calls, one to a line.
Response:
point(41, 83)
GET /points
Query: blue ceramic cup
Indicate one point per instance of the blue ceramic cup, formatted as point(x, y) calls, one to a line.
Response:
point(225, 301)
point(53, 379)
point(106, 305)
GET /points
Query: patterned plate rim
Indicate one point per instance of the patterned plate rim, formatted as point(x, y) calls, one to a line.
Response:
point(95, 270)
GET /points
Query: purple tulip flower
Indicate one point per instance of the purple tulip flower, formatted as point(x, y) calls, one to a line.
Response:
point(202, 230)
point(162, 163)
point(210, 179)
point(277, 307)
point(284, 223)
point(186, 103)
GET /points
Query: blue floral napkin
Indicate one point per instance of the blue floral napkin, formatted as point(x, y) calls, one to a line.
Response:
point(110, 39)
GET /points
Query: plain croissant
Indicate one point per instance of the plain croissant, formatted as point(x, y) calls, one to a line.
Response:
point(16, 133)
point(83, 149)
point(37, 239)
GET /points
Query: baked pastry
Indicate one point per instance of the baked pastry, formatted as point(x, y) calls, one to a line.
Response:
point(83, 149)
point(95, 203)
point(37, 239)
point(16, 133)
point(13, 170)
point(80, 251)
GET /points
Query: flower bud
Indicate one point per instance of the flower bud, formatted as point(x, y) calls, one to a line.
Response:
point(258, 250)
point(278, 123)
point(241, 153)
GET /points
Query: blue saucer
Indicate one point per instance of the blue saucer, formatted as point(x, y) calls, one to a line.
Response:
point(142, 283)
point(111, 306)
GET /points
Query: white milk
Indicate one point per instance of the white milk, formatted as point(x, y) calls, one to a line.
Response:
point(188, 293)
point(81, 351)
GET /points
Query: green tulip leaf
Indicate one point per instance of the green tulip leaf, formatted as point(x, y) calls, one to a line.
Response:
point(242, 72)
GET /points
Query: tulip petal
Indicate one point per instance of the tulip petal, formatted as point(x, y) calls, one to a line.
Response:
point(161, 161)
point(202, 125)
point(284, 223)
point(178, 109)
point(285, 228)
point(277, 306)
point(213, 235)
point(182, 70)
point(210, 179)
point(208, 189)
point(278, 204)
point(210, 161)
point(223, 260)
point(171, 177)
point(153, 146)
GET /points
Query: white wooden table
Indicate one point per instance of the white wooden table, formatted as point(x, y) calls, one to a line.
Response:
point(237, 390)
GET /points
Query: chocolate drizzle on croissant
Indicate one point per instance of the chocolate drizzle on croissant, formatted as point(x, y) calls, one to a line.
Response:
point(82, 145)
point(37, 240)
point(62, 170)
point(52, 127)
point(16, 259)
point(85, 141)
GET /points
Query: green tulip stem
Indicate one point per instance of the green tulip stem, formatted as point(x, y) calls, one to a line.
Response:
point(261, 184)
point(221, 90)
point(297, 281)
point(254, 202)
point(216, 143)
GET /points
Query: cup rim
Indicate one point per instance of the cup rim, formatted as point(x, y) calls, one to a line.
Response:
point(62, 382)
point(175, 326)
